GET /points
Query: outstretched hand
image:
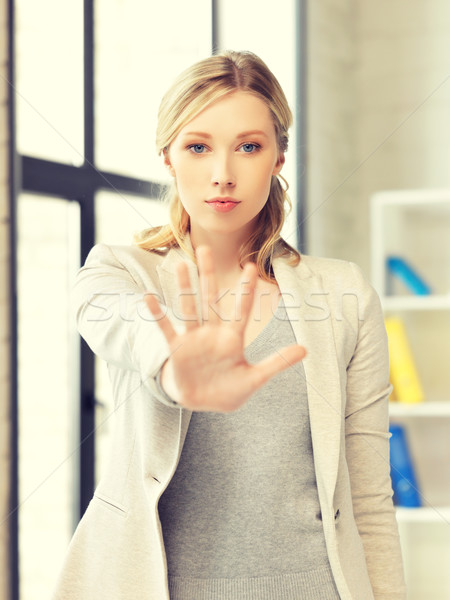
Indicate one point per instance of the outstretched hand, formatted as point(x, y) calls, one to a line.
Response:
point(207, 369)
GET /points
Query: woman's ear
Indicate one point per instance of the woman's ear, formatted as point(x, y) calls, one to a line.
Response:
point(279, 164)
point(168, 163)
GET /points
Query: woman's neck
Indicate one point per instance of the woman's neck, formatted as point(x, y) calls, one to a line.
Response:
point(225, 250)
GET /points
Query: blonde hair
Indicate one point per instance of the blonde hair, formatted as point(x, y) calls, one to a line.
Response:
point(196, 88)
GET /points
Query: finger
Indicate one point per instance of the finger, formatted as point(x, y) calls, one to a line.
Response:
point(277, 362)
point(246, 296)
point(208, 285)
point(162, 319)
point(186, 297)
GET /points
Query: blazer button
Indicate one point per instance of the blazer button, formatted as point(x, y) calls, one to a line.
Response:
point(337, 514)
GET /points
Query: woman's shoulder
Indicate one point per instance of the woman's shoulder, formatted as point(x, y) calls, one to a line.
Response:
point(128, 262)
point(332, 268)
point(125, 255)
point(124, 250)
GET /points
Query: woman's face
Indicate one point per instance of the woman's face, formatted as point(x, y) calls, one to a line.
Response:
point(223, 162)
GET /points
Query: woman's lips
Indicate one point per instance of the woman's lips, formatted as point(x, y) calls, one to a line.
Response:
point(222, 204)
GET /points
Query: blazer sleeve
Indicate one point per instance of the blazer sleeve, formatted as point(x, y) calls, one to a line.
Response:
point(113, 318)
point(367, 447)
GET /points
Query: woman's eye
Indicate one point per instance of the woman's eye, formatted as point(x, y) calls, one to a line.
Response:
point(197, 148)
point(249, 148)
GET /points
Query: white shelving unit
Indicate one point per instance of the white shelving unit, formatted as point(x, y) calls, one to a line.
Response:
point(427, 514)
point(415, 225)
point(434, 302)
point(440, 408)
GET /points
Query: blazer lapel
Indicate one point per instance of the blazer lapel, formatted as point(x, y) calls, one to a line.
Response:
point(309, 313)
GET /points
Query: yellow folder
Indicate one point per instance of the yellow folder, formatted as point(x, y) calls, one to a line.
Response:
point(403, 372)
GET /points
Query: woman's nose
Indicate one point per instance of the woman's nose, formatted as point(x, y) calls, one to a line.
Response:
point(222, 174)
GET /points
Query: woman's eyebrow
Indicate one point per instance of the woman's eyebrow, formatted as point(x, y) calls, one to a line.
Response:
point(244, 134)
point(197, 134)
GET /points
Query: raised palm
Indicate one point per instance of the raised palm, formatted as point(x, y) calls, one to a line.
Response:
point(207, 369)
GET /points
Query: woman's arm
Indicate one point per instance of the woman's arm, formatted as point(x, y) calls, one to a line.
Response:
point(113, 318)
point(205, 367)
point(367, 448)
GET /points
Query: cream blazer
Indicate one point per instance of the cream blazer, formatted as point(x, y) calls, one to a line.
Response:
point(117, 551)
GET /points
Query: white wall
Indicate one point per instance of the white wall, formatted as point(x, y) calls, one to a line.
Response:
point(378, 98)
point(332, 198)
point(404, 95)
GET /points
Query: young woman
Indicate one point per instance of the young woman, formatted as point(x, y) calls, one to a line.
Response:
point(242, 467)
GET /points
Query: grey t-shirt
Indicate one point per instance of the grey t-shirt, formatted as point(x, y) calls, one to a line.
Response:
point(241, 516)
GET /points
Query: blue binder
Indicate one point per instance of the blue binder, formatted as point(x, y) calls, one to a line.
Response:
point(404, 271)
point(404, 483)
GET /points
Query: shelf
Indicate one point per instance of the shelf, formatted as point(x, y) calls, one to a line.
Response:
point(432, 302)
point(413, 198)
point(421, 409)
point(426, 514)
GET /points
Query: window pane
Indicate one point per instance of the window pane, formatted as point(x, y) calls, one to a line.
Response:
point(117, 216)
point(140, 47)
point(49, 79)
point(48, 231)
